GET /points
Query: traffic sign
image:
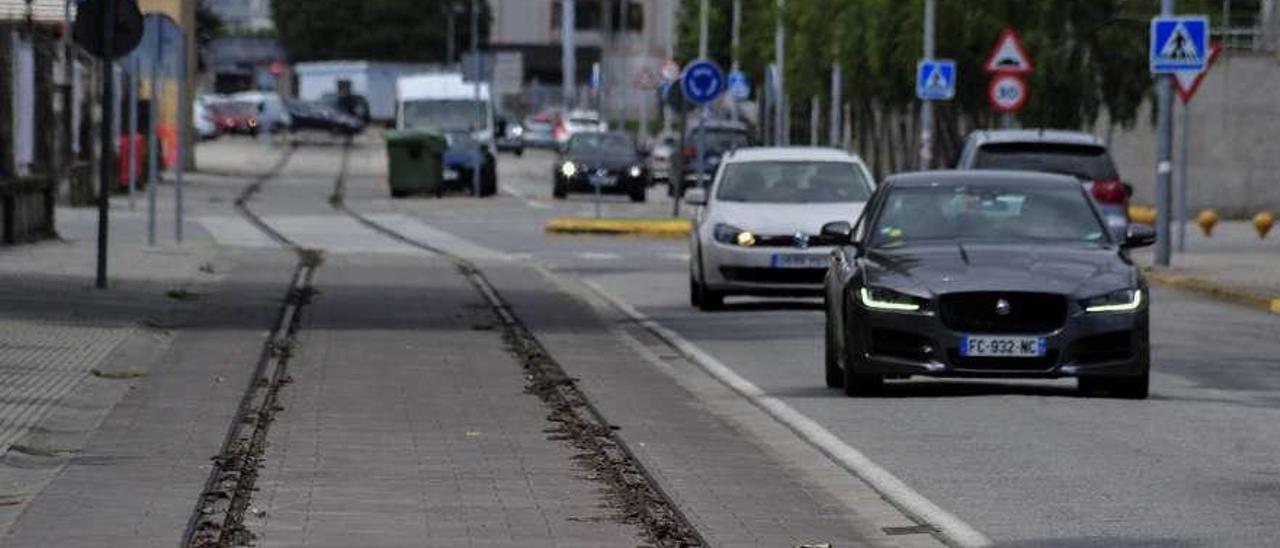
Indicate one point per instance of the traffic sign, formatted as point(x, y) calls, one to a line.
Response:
point(1179, 43)
point(1009, 55)
point(935, 79)
point(277, 68)
point(1187, 82)
point(702, 81)
point(670, 70)
point(646, 79)
point(127, 33)
point(1007, 93)
point(739, 87)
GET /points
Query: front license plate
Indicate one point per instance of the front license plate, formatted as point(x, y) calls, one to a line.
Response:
point(1002, 347)
point(601, 180)
point(450, 175)
point(798, 260)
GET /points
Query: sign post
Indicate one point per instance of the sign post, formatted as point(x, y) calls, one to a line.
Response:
point(1187, 83)
point(1177, 43)
point(702, 83)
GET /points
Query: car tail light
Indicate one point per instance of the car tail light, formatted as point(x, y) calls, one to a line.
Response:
point(253, 122)
point(1110, 191)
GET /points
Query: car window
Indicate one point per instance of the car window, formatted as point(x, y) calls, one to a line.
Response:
point(606, 143)
point(985, 213)
point(719, 139)
point(792, 182)
point(1086, 162)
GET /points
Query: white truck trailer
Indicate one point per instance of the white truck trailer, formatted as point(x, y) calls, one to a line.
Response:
point(376, 81)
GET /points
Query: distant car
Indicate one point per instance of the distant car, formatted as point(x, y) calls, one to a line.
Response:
point(540, 129)
point(985, 274)
point(351, 104)
point(235, 117)
point(664, 147)
point(462, 158)
point(509, 134)
point(320, 116)
point(203, 121)
point(608, 161)
point(1080, 155)
point(757, 230)
point(710, 141)
point(579, 121)
point(269, 109)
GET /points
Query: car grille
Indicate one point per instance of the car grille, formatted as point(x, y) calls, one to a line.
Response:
point(1043, 363)
point(899, 344)
point(1027, 312)
point(798, 276)
point(786, 240)
point(1113, 346)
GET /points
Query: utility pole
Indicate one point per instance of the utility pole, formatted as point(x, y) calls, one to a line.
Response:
point(567, 61)
point(926, 107)
point(183, 111)
point(702, 29)
point(836, 101)
point(153, 142)
point(104, 163)
point(475, 87)
point(1164, 153)
point(737, 34)
point(780, 56)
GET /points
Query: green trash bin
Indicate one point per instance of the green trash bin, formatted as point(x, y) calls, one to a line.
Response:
point(415, 161)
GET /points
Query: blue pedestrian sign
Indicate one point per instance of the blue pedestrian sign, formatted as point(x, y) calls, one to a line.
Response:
point(936, 79)
point(1179, 44)
point(739, 88)
point(703, 81)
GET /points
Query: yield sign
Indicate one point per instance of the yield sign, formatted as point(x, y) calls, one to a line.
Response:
point(1009, 55)
point(1187, 82)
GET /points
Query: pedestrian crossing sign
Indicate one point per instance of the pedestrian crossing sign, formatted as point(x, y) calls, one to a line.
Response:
point(936, 79)
point(1179, 44)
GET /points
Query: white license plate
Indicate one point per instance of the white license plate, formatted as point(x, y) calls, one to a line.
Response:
point(996, 346)
point(601, 180)
point(798, 260)
point(450, 175)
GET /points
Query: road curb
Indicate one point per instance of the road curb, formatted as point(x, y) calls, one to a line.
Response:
point(1223, 292)
point(648, 228)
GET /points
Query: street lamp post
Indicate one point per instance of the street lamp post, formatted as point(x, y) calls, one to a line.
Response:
point(926, 106)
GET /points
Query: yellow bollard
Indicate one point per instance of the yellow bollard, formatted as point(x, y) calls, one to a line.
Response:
point(1145, 215)
point(1262, 223)
point(1207, 219)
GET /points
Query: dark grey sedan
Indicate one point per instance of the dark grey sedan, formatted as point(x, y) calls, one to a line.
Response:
point(985, 274)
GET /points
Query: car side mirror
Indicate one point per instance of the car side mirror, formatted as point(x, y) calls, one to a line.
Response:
point(837, 233)
point(695, 196)
point(1139, 235)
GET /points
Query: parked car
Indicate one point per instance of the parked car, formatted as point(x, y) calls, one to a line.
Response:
point(756, 232)
point(269, 109)
point(236, 117)
point(985, 273)
point(1080, 155)
point(509, 135)
point(659, 160)
point(540, 129)
point(710, 140)
point(320, 116)
point(608, 161)
point(462, 158)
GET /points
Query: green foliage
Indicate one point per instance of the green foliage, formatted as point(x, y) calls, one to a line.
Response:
point(376, 30)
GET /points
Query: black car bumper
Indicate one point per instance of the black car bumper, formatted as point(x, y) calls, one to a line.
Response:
point(1113, 344)
point(622, 184)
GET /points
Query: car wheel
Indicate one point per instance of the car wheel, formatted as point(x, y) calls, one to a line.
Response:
point(709, 300)
point(558, 191)
point(638, 194)
point(857, 384)
point(835, 377)
point(1132, 388)
point(695, 292)
point(399, 194)
point(519, 152)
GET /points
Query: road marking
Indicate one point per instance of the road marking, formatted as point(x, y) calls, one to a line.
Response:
point(893, 489)
point(590, 256)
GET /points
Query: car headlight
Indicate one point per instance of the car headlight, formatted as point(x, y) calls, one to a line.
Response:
point(568, 169)
point(1125, 300)
point(732, 235)
point(879, 298)
point(517, 131)
point(635, 172)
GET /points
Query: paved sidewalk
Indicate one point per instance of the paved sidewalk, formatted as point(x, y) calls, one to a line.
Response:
point(406, 424)
point(1234, 264)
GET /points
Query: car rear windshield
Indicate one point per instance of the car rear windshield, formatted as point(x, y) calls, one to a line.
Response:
point(601, 143)
point(719, 139)
point(986, 213)
point(796, 182)
point(1085, 162)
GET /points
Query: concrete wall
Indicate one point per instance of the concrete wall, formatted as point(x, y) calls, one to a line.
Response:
point(1234, 164)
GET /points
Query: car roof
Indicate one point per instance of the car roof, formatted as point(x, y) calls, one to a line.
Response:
point(979, 176)
point(790, 154)
point(1057, 136)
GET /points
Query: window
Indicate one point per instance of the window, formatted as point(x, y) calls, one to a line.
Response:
point(589, 15)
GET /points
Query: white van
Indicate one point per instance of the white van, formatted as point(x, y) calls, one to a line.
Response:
point(444, 102)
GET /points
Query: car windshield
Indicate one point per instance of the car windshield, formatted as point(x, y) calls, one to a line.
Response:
point(986, 213)
point(1087, 162)
point(795, 182)
point(235, 108)
point(459, 139)
point(601, 143)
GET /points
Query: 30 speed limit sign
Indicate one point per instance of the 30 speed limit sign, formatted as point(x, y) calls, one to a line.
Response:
point(1008, 93)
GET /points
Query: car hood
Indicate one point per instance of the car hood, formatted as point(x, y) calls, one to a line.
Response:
point(612, 161)
point(1082, 270)
point(781, 219)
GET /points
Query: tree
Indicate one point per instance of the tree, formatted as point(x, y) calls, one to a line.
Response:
point(375, 30)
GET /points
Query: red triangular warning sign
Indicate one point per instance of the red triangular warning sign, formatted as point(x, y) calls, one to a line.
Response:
point(1009, 55)
point(1187, 83)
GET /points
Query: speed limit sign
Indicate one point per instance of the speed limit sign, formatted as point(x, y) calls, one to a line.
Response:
point(1008, 93)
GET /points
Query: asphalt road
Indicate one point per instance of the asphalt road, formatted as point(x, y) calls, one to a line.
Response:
point(1027, 463)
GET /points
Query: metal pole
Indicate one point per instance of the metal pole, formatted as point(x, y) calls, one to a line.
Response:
point(68, 95)
point(780, 55)
point(104, 163)
point(131, 97)
point(1006, 120)
point(184, 111)
point(1183, 176)
point(702, 29)
point(153, 142)
point(475, 87)
point(737, 33)
point(449, 34)
point(677, 181)
point(1164, 151)
point(836, 101)
point(926, 107)
point(567, 61)
point(815, 117)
